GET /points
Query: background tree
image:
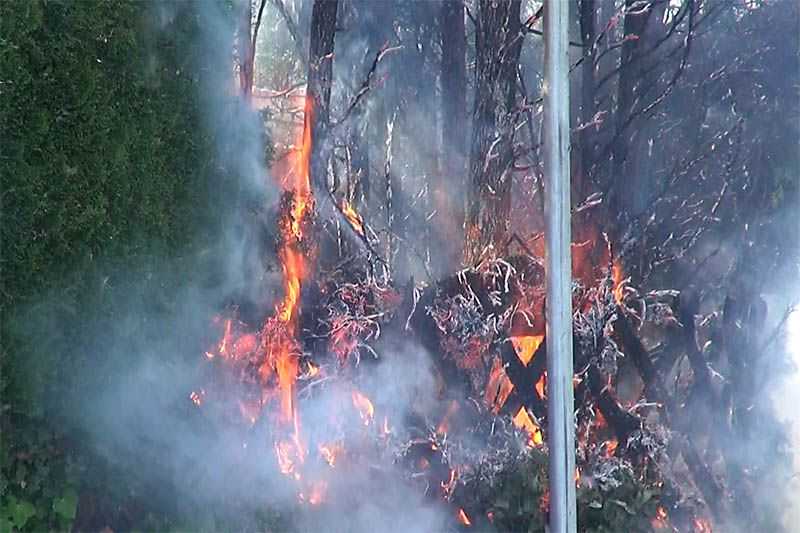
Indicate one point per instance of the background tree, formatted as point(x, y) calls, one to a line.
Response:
point(498, 40)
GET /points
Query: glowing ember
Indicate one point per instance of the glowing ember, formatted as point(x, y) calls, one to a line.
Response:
point(197, 397)
point(353, 217)
point(541, 386)
point(523, 421)
point(611, 447)
point(318, 491)
point(660, 521)
point(701, 525)
point(526, 347)
point(449, 485)
point(462, 517)
point(364, 406)
point(616, 276)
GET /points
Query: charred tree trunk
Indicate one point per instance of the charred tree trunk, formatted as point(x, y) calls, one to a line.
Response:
point(498, 43)
point(588, 35)
point(637, 75)
point(450, 183)
point(318, 90)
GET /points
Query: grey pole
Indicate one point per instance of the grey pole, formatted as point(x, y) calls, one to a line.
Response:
point(561, 427)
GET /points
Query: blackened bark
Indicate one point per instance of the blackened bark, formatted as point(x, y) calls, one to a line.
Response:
point(588, 33)
point(633, 28)
point(498, 43)
point(318, 90)
point(641, 30)
point(449, 185)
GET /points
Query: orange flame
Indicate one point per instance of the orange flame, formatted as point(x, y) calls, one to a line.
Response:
point(444, 425)
point(611, 447)
point(364, 406)
point(526, 347)
point(541, 385)
point(616, 275)
point(294, 271)
point(462, 517)
point(318, 491)
point(701, 525)
point(523, 421)
point(329, 452)
point(353, 217)
point(660, 520)
point(226, 339)
point(499, 386)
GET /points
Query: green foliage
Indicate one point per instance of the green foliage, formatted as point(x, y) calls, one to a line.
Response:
point(110, 192)
point(37, 484)
point(610, 499)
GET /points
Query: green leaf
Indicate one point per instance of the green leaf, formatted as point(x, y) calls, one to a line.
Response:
point(19, 512)
point(67, 505)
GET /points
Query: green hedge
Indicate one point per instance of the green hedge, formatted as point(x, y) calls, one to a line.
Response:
point(109, 187)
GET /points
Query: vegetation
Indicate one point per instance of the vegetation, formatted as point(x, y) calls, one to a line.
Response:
point(115, 197)
point(108, 188)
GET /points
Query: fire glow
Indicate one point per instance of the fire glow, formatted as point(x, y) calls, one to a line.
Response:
point(314, 459)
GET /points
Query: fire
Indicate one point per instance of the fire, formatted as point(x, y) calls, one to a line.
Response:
point(318, 491)
point(600, 420)
point(616, 275)
point(611, 447)
point(523, 421)
point(226, 339)
point(540, 386)
point(499, 386)
point(287, 458)
point(364, 406)
point(197, 397)
point(701, 525)
point(444, 425)
point(450, 484)
point(462, 517)
point(329, 452)
point(353, 217)
point(294, 271)
point(312, 370)
point(526, 347)
point(660, 521)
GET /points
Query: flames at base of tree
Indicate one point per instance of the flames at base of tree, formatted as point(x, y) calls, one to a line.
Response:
point(273, 364)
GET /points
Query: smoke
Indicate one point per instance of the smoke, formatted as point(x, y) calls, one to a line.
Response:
point(203, 464)
point(785, 397)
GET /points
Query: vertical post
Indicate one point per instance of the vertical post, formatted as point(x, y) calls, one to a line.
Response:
point(560, 403)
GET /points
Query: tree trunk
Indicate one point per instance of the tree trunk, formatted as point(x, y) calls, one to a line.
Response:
point(246, 50)
point(588, 108)
point(498, 43)
point(318, 89)
point(640, 32)
point(449, 184)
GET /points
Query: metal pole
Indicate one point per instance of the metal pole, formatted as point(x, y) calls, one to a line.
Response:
point(560, 403)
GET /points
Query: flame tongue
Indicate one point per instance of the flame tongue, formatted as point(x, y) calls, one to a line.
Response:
point(283, 346)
